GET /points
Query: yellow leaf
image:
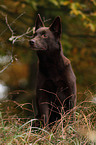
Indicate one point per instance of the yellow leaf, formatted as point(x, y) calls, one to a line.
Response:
point(91, 26)
point(65, 3)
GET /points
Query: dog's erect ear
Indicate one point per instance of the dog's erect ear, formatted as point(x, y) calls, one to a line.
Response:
point(39, 23)
point(55, 27)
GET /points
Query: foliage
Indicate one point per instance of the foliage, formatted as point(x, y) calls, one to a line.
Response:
point(17, 129)
point(84, 10)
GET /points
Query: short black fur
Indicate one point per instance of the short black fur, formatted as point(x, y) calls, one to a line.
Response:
point(56, 82)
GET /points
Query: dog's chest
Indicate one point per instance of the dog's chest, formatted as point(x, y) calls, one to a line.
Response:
point(52, 71)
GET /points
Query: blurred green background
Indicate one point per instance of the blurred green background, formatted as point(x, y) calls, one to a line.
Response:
point(78, 40)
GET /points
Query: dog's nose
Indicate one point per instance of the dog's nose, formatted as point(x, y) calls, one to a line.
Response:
point(32, 42)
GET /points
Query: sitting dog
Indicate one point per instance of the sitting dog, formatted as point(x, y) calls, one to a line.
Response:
point(56, 82)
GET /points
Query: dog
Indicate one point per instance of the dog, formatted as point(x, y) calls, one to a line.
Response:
point(56, 81)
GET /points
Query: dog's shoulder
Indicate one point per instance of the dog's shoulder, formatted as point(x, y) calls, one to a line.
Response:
point(66, 61)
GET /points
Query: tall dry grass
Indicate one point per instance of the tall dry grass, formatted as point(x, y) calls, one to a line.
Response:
point(16, 129)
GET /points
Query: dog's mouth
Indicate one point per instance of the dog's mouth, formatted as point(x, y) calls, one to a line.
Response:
point(36, 48)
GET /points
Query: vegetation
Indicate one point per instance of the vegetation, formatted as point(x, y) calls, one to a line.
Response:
point(15, 129)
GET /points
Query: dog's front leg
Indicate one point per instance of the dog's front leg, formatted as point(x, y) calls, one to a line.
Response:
point(44, 111)
point(43, 106)
point(67, 97)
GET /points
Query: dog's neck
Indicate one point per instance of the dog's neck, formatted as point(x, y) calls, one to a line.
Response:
point(48, 57)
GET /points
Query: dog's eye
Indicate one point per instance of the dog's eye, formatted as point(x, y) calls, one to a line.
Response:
point(44, 36)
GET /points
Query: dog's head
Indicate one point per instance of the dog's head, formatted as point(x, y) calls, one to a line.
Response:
point(46, 38)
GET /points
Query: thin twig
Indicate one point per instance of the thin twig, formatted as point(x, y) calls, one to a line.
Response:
point(6, 66)
point(9, 26)
point(12, 22)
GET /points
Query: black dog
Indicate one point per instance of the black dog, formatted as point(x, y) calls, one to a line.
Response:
point(56, 82)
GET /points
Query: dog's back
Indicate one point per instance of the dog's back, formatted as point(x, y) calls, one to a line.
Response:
point(56, 82)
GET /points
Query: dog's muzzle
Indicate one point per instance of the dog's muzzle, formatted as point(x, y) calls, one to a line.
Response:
point(33, 45)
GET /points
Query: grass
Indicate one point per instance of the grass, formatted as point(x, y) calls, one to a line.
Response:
point(15, 129)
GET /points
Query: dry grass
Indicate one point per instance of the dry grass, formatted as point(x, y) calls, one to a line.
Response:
point(17, 130)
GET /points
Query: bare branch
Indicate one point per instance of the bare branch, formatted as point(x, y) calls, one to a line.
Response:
point(12, 22)
point(13, 40)
point(6, 66)
point(9, 25)
point(20, 36)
